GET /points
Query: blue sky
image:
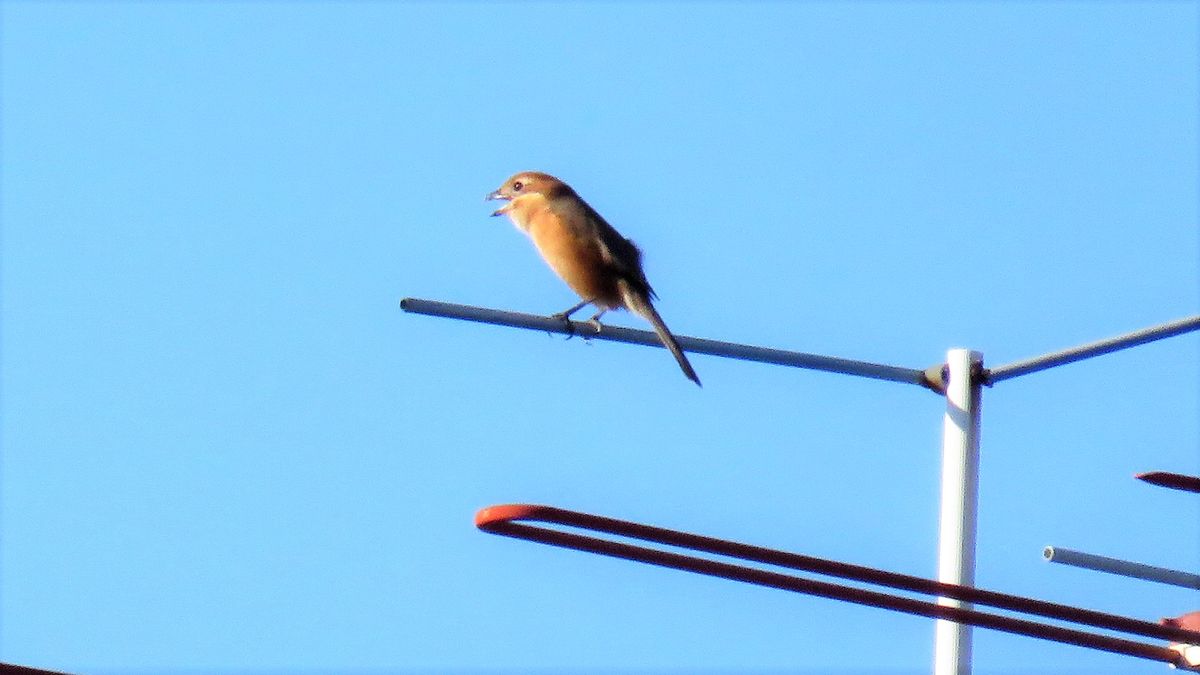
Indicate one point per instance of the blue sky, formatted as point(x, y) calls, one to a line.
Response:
point(226, 448)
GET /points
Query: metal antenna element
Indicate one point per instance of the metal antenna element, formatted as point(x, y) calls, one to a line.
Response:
point(1175, 481)
point(693, 345)
point(959, 379)
point(503, 520)
point(1124, 568)
point(1137, 337)
point(10, 669)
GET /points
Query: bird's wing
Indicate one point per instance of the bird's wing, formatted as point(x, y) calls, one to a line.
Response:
point(621, 254)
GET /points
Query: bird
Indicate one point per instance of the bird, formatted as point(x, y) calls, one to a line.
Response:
point(601, 266)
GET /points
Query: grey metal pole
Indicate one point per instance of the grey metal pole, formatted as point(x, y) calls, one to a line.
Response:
point(960, 496)
point(1125, 568)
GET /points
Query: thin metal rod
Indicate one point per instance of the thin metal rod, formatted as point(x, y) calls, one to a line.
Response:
point(488, 518)
point(1125, 568)
point(1175, 481)
point(642, 337)
point(960, 497)
point(1137, 337)
point(824, 589)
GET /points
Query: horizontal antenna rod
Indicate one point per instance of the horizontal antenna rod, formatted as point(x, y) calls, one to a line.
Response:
point(1124, 568)
point(500, 520)
point(690, 344)
point(1137, 337)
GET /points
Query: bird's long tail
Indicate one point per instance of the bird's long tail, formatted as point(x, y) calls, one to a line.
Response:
point(640, 304)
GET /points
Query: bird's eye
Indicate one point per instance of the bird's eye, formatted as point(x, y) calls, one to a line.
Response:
point(517, 186)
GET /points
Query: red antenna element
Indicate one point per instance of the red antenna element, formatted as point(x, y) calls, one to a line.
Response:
point(508, 520)
point(1175, 481)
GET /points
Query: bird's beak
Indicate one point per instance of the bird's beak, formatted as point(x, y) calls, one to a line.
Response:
point(498, 195)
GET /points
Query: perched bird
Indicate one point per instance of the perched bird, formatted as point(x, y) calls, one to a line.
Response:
point(603, 267)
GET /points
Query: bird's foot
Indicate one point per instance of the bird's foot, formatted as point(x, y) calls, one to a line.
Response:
point(594, 322)
point(568, 324)
point(565, 317)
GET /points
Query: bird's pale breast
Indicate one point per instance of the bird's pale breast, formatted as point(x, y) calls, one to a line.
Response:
point(573, 255)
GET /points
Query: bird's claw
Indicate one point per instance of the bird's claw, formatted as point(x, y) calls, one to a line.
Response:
point(595, 323)
point(567, 322)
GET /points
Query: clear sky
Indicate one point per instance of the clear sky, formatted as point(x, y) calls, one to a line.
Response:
point(226, 448)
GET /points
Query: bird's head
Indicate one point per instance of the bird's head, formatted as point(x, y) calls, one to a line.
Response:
point(525, 185)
